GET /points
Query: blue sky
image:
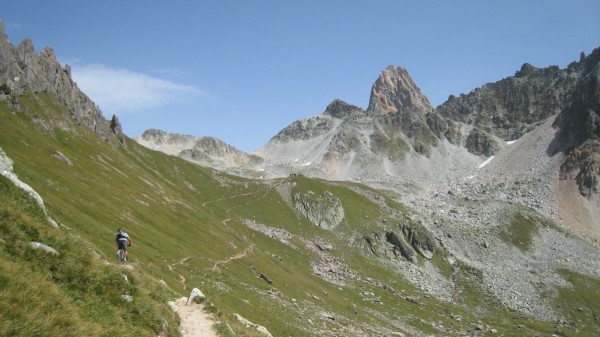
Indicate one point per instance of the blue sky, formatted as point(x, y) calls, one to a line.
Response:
point(243, 70)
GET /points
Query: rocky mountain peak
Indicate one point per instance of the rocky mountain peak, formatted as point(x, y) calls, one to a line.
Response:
point(340, 109)
point(153, 134)
point(526, 69)
point(395, 91)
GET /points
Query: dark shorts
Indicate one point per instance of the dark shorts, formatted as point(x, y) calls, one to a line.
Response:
point(122, 245)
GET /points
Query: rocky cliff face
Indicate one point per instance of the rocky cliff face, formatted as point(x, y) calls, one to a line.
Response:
point(22, 70)
point(579, 125)
point(400, 111)
point(507, 109)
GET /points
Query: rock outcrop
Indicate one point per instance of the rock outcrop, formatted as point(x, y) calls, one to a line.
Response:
point(404, 241)
point(43, 247)
point(261, 330)
point(6, 170)
point(324, 210)
point(22, 70)
point(196, 296)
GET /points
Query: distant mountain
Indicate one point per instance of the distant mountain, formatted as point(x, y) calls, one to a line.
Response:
point(347, 142)
point(401, 139)
point(400, 119)
point(205, 151)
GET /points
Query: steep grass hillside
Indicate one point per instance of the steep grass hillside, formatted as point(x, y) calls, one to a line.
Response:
point(244, 243)
point(70, 293)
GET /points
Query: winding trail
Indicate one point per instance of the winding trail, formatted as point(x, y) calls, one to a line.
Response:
point(234, 257)
point(263, 191)
point(195, 322)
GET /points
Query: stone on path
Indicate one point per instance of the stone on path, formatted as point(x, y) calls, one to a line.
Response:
point(196, 294)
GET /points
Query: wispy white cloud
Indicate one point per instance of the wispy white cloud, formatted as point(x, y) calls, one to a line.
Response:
point(171, 73)
point(121, 91)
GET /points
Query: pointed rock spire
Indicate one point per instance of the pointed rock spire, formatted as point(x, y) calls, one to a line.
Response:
point(3, 36)
point(395, 91)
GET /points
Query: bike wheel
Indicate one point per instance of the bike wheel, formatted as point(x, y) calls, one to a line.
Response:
point(121, 255)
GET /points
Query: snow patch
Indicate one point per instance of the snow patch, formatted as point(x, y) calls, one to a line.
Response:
point(510, 142)
point(306, 164)
point(486, 162)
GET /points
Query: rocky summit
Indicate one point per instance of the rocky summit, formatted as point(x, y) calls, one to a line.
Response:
point(394, 91)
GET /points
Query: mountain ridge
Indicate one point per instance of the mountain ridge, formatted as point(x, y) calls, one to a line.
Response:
point(206, 151)
point(23, 70)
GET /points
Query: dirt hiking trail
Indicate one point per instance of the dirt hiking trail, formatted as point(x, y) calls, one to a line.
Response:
point(194, 321)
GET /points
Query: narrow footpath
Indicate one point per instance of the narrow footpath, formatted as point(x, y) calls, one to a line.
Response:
point(194, 321)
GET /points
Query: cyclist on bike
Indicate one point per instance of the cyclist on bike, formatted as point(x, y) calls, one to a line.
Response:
point(123, 241)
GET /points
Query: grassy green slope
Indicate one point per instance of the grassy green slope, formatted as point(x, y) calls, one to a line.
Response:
point(72, 293)
point(187, 225)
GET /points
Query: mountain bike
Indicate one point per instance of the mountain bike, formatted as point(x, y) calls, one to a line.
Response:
point(121, 255)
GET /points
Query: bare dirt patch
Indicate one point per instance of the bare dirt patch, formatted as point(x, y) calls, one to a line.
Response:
point(575, 212)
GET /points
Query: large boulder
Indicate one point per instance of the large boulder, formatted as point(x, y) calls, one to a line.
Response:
point(196, 296)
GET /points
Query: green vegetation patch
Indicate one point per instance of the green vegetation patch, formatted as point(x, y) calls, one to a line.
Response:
point(521, 230)
point(394, 148)
point(579, 305)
